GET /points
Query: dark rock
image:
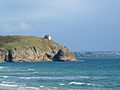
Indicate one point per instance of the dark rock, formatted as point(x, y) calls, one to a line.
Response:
point(10, 55)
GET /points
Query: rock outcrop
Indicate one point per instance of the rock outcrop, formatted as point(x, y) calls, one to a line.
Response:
point(2, 55)
point(64, 55)
point(32, 49)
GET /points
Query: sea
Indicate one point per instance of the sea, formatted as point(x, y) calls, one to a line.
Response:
point(87, 73)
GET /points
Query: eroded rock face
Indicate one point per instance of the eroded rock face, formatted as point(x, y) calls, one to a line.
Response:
point(28, 54)
point(64, 55)
point(35, 54)
point(2, 55)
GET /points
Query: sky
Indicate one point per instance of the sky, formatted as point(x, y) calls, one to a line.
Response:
point(81, 25)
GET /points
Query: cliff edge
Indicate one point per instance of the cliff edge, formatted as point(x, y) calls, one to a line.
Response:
point(32, 49)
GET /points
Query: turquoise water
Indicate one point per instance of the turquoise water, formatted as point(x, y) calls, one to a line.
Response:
point(89, 74)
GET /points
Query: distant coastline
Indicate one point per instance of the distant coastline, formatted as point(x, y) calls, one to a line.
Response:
point(98, 54)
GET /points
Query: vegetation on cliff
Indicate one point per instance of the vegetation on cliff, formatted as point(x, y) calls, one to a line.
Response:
point(8, 42)
point(31, 48)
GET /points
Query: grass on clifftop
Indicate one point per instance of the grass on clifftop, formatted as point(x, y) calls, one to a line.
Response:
point(8, 42)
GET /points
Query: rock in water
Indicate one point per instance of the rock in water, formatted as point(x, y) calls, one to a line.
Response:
point(32, 49)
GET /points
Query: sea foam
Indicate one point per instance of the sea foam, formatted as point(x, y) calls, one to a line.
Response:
point(81, 83)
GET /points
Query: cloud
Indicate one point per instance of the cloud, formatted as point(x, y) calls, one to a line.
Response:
point(24, 26)
point(10, 28)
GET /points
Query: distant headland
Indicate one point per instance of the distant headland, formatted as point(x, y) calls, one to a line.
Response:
point(32, 49)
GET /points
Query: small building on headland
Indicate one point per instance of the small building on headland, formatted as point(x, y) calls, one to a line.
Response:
point(47, 37)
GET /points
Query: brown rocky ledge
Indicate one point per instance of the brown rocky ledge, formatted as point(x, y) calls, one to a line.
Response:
point(32, 49)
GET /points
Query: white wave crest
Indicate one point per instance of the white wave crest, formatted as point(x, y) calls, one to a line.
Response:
point(61, 84)
point(2, 67)
point(81, 83)
point(57, 78)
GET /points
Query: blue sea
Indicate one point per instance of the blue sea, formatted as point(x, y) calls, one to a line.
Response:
point(85, 74)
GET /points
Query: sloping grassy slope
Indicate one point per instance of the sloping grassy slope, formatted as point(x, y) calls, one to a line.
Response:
point(8, 42)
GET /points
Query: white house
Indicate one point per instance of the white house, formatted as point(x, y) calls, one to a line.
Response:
point(47, 37)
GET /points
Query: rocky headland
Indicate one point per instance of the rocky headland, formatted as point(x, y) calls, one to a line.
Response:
point(32, 49)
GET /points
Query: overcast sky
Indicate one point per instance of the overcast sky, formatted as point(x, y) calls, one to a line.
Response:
point(78, 24)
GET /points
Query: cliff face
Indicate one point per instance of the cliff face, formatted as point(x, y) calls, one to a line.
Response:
point(2, 55)
point(32, 49)
point(64, 55)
